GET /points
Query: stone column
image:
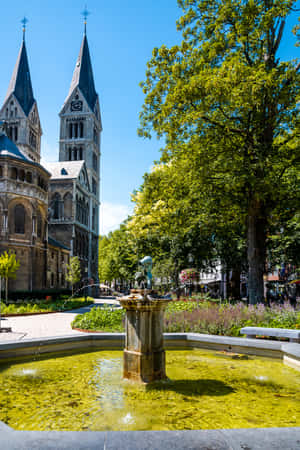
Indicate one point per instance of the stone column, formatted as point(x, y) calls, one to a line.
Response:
point(144, 355)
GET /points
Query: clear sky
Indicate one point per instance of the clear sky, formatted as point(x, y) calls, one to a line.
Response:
point(121, 37)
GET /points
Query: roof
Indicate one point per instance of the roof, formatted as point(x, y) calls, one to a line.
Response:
point(8, 148)
point(64, 170)
point(20, 83)
point(55, 243)
point(83, 75)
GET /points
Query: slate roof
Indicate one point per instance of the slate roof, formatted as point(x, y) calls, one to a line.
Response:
point(8, 148)
point(55, 243)
point(83, 75)
point(20, 83)
point(64, 170)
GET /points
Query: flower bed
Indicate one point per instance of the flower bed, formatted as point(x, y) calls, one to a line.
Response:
point(198, 317)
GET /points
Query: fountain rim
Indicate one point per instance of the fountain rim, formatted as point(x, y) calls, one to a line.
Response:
point(251, 437)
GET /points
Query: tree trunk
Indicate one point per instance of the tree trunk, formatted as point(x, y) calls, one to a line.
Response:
point(235, 291)
point(256, 251)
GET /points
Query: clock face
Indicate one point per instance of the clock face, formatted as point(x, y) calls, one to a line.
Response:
point(76, 105)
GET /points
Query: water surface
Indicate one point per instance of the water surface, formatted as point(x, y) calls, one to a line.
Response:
point(205, 390)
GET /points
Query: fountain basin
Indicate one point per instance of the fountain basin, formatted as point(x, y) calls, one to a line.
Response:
point(205, 390)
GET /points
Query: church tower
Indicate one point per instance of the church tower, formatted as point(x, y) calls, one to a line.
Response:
point(80, 126)
point(19, 111)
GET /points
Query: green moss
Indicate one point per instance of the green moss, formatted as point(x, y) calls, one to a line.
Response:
point(205, 390)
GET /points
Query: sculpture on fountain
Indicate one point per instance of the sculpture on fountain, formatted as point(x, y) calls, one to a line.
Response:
point(144, 355)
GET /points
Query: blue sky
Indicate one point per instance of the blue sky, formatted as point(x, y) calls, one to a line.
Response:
point(121, 37)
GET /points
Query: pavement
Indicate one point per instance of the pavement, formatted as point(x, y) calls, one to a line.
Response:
point(47, 325)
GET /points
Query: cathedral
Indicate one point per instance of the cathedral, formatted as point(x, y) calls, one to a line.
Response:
point(50, 213)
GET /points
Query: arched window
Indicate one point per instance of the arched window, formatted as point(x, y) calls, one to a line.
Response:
point(75, 154)
point(70, 154)
point(56, 206)
point(39, 225)
point(81, 129)
point(21, 175)
point(68, 206)
point(29, 177)
point(80, 154)
point(70, 131)
point(75, 130)
point(19, 219)
point(13, 173)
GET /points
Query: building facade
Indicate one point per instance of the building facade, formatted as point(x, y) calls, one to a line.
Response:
point(51, 213)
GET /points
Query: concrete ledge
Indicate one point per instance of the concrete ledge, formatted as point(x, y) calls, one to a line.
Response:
point(289, 353)
point(254, 439)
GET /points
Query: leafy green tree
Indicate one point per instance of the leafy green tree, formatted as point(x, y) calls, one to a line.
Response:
point(73, 275)
point(8, 268)
point(227, 107)
point(117, 256)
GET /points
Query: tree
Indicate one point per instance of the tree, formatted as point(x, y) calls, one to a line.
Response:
point(117, 256)
point(73, 271)
point(227, 107)
point(8, 267)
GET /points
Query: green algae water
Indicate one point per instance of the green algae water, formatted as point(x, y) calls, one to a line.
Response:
point(205, 390)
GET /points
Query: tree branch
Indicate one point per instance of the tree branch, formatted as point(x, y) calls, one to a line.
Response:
point(279, 37)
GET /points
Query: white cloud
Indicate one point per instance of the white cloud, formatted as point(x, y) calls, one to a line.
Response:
point(112, 215)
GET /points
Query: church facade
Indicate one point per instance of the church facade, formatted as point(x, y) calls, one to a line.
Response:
point(51, 212)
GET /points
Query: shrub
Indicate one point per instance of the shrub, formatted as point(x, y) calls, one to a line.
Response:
point(101, 319)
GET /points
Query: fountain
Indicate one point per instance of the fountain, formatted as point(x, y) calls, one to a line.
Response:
point(144, 355)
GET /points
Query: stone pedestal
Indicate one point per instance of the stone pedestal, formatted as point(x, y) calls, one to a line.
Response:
point(144, 355)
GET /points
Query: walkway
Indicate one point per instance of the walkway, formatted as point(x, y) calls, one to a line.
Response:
point(42, 325)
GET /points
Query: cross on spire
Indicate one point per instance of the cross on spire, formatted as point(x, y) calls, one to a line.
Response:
point(85, 13)
point(24, 21)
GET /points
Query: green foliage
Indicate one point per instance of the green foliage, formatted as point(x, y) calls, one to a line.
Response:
point(227, 107)
point(73, 275)
point(8, 267)
point(36, 306)
point(100, 319)
point(117, 257)
point(198, 317)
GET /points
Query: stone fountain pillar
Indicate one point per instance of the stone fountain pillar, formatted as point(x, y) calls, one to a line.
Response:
point(144, 355)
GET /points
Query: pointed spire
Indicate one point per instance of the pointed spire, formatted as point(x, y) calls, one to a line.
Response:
point(20, 83)
point(85, 13)
point(24, 22)
point(83, 75)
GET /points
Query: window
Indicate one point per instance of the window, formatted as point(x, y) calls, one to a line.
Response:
point(1, 171)
point(81, 129)
point(76, 130)
point(39, 226)
point(80, 154)
point(29, 177)
point(56, 206)
point(13, 173)
point(21, 175)
point(94, 219)
point(52, 279)
point(95, 162)
point(68, 206)
point(32, 139)
point(19, 219)
point(94, 186)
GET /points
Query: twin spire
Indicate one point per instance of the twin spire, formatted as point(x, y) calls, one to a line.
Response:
point(20, 84)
